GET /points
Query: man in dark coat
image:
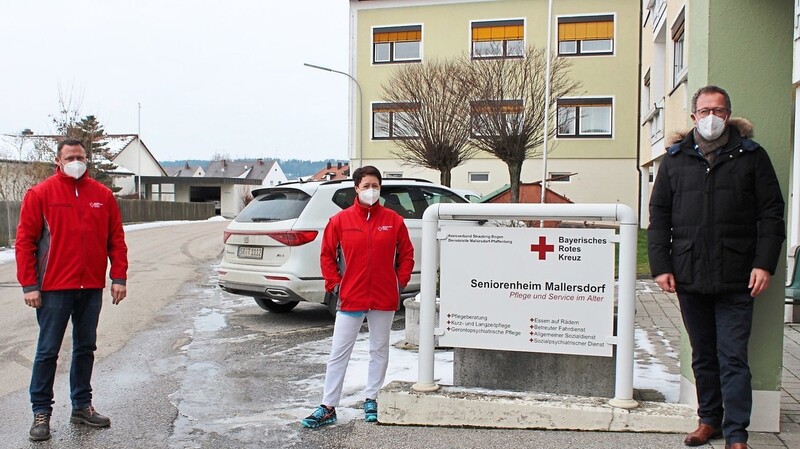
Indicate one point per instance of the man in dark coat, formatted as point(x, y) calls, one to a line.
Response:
point(715, 236)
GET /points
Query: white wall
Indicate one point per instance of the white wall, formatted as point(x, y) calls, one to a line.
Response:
point(275, 176)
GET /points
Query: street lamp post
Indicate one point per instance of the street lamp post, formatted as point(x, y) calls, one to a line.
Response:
point(360, 110)
point(546, 124)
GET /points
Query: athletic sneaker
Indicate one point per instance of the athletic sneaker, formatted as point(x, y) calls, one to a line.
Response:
point(322, 416)
point(370, 410)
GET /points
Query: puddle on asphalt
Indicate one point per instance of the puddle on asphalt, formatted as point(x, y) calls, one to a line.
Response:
point(209, 320)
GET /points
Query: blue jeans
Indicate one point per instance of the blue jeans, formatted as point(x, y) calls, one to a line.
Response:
point(83, 306)
point(719, 329)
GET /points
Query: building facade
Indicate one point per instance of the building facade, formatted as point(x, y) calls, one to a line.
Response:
point(598, 147)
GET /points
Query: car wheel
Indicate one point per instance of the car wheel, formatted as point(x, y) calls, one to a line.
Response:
point(276, 306)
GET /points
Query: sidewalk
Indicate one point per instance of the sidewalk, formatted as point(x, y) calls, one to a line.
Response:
point(657, 313)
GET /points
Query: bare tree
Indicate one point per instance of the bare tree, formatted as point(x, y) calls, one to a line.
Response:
point(69, 106)
point(508, 106)
point(426, 114)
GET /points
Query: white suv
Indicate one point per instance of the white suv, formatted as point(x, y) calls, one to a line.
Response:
point(272, 247)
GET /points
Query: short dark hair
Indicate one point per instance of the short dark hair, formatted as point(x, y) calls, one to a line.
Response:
point(70, 142)
point(368, 170)
point(711, 89)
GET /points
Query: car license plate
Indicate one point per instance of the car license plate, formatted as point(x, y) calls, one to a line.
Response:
point(251, 252)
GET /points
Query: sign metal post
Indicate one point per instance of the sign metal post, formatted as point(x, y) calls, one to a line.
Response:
point(570, 297)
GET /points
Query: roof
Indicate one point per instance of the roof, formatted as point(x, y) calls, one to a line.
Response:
point(115, 143)
point(529, 192)
point(30, 148)
point(340, 171)
point(183, 171)
point(252, 169)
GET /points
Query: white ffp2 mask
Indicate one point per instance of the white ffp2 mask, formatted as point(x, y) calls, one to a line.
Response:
point(74, 169)
point(369, 196)
point(710, 127)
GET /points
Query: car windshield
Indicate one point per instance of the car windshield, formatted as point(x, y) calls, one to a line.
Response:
point(410, 201)
point(274, 205)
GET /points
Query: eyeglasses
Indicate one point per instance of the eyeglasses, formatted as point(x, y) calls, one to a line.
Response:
point(719, 112)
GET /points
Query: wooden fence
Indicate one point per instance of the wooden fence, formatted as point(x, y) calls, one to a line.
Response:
point(133, 211)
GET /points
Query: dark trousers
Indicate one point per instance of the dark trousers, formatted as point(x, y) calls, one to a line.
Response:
point(719, 329)
point(83, 306)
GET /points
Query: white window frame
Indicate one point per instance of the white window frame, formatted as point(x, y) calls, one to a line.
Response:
point(679, 66)
point(390, 120)
point(503, 43)
point(564, 177)
point(797, 19)
point(576, 104)
point(393, 59)
point(471, 176)
point(579, 44)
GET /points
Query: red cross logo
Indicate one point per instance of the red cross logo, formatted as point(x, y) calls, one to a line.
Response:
point(542, 248)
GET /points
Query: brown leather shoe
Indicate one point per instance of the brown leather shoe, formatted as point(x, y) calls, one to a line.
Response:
point(736, 446)
point(703, 433)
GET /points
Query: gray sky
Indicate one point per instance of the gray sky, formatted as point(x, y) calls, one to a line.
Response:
point(212, 76)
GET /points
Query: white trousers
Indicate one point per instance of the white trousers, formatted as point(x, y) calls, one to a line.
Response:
point(345, 332)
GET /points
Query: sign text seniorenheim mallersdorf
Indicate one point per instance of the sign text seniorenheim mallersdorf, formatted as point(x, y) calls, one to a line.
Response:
point(527, 289)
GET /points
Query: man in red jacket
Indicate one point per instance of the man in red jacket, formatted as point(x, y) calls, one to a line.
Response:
point(366, 258)
point(69, 227)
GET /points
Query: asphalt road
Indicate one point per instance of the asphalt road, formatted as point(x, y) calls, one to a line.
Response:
point(182, 364)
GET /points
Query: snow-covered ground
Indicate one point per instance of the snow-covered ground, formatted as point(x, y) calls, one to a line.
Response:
point(403, 365)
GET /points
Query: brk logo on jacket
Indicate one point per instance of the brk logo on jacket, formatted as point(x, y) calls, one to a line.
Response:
point(96, 205)
point(385, 228)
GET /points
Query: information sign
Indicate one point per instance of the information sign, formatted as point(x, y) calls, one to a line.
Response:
point(527, 289)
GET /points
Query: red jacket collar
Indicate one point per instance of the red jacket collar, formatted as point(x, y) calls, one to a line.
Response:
point(364, 210)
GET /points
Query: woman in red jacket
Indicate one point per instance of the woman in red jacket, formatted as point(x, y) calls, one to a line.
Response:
point(366, 258)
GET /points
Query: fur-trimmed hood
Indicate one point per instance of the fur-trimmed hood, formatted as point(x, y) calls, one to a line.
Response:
point(741, 124)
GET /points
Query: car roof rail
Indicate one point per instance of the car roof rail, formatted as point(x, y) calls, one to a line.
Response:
point(339, 181)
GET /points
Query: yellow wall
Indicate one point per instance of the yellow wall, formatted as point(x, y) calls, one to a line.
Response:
point(446, 34)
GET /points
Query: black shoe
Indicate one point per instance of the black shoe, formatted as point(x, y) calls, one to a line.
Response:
point(40, 430)
point(90, 417)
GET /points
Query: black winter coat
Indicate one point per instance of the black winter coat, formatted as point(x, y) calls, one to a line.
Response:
point(711, 224)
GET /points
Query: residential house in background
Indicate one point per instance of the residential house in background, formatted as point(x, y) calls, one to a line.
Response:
point(340, 171)
point(597, 141)
point(133, 159)
point(126, 152)
point(225, 183)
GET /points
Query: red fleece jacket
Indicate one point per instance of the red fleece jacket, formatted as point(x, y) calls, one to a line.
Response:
point(367, 251)
point(68, 230)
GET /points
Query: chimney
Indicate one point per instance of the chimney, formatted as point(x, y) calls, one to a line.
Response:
point(329, 165)
point(338, 165)
point(187, 165)
point(260, 161)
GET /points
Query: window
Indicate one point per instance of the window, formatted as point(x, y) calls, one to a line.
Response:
point(584, 117)
point(392, 121)
point(275, 205)
point(560, 176)
point(478, 176)
point(677, 53)
point(396, 44)
point(489, 117)
point(586, 35)
point(797, 19)
point(498, 39)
